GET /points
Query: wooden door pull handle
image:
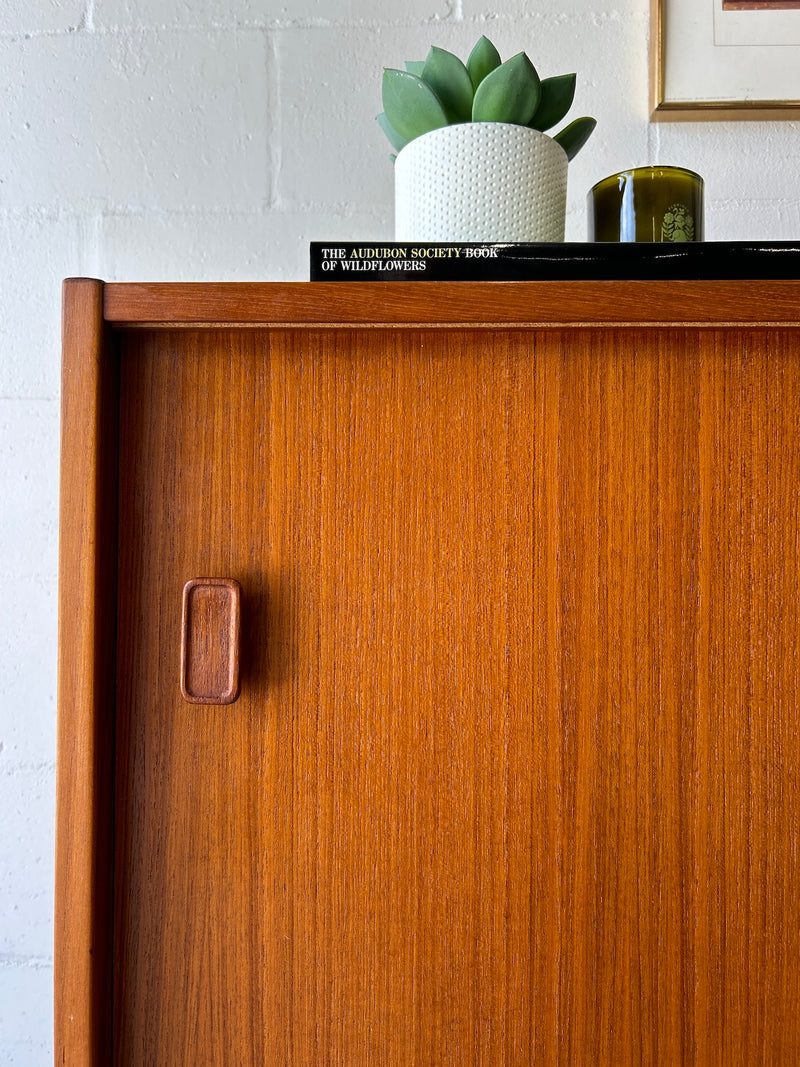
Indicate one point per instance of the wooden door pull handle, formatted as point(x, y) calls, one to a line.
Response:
point(210, 640)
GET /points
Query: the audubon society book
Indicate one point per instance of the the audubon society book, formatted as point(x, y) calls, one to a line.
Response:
point(440, 261)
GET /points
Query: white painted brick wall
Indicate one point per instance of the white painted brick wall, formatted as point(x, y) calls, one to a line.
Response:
point(20, 18)
point(191, 139)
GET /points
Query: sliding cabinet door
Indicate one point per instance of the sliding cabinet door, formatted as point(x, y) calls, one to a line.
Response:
point(514, 773)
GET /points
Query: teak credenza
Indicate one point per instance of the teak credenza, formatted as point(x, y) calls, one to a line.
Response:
point(507, 580)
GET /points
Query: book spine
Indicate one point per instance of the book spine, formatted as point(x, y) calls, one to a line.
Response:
point(437, 261)
point(413, 262)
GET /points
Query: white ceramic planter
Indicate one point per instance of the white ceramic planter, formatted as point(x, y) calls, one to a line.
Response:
point(481, 181)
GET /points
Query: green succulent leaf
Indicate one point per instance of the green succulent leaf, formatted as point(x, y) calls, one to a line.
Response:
point(411, 107)
point(415, 66)
point(557, 96)
point(450, 80)
point(395, 139)
point(483, 59)
point(509, 93)
point(573, 137)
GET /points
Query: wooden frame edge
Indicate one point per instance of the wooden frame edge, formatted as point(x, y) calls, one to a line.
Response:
point(724, 111)
point(86, 682)
point(656, 71)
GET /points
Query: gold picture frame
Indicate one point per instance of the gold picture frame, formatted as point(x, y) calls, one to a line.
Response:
point(697, 103)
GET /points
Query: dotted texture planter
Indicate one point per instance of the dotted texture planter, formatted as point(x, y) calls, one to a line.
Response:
point(481, 181)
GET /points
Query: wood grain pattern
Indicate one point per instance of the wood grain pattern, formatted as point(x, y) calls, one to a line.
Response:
point(210, 641)
point(445, 303)
point(86, 659)
point(514, 775)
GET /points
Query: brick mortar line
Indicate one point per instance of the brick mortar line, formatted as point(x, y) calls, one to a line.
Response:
point(33, 963)
point(29, 766)
point(274, 144)
point(87, 28)
point(284, 207)
point(41, 214)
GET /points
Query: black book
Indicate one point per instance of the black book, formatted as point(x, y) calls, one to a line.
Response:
point(440, 261)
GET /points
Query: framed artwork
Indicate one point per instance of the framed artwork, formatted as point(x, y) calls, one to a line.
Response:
point(724, 59)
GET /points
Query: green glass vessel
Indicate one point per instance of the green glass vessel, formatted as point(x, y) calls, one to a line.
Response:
point(647, 204)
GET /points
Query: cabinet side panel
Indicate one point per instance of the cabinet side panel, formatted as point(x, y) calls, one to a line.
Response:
point(87, 595)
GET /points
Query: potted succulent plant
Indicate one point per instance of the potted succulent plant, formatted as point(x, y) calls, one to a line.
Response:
point(474, 162)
